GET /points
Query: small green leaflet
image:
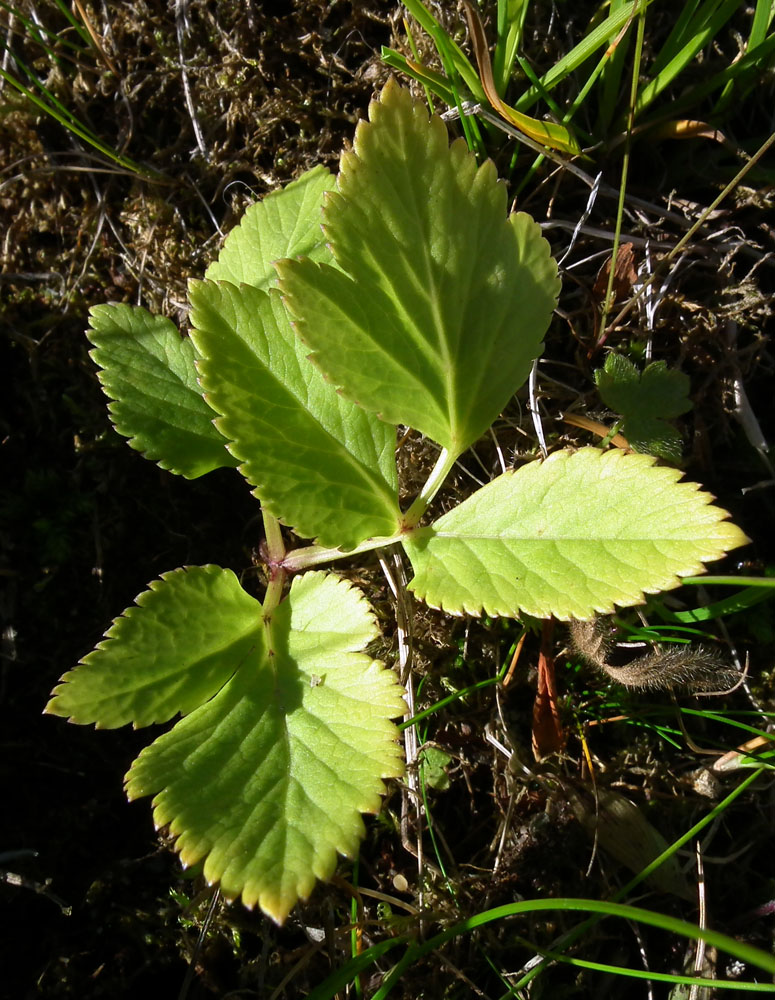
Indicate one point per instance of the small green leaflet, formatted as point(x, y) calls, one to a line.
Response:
point(318, 462)
point(265, 781)
point(445, 299)
point(148, 373)
point(646, 400)
point(285, 223)
point(572, 537)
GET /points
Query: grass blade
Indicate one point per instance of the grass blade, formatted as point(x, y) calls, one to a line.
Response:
point(599, 36)
point(511, 24)
point(678, 61)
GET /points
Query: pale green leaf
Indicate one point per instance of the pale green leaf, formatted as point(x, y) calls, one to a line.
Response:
point(171, 651)
point(285, 223)
point(267, 781)
point(572, 537)
point(148, 372)
point(319, 463)
point(445, 300)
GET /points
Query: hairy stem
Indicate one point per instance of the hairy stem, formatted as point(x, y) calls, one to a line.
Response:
point(275, 554)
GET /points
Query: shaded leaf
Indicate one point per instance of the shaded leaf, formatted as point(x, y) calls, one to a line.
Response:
point(433, 762)
point(175, 648)
point(319, 463)
point(148, 372)
point(571, 537)
point(266, 782)
point(625, 276)
point(285, 223)
point(622, 830)
point(445, 300)
point(646, 400)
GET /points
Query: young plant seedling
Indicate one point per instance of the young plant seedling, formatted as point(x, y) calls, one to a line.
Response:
point(646, 400)
point(419, 302)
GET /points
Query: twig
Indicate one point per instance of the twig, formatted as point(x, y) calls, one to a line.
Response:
point(181, 27)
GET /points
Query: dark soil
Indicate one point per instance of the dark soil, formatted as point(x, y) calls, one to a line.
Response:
point(94, 902)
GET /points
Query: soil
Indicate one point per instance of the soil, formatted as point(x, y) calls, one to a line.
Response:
point(95, 902)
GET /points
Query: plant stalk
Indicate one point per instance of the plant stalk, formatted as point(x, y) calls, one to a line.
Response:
point(274, 555)
point(432, 486)
point(313, 555)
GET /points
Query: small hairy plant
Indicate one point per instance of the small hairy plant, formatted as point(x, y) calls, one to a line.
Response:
point(420, 303)
point(693, 668)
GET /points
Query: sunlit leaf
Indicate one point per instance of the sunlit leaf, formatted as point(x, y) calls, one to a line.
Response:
point(318, 462)
point(445, 299)
point(266, 782)
point(572, 537)
point(148, 374)
point(286, 223)
point(172, 650)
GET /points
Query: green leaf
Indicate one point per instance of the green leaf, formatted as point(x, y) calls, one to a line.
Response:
point(285, 223)
point(148, 372)
point(571, 537)
point(174, 649)
point(645, 400)
point(266, 782)
point(433, 763)
point(445, 300)
point(319, 463)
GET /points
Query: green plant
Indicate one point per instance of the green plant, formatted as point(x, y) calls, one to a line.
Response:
point(57, 50)
point(646, 400)
point(423, 304)
point(595, 67)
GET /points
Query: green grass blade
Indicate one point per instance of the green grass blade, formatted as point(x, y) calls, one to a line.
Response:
point(458, 695)
point(553, 106)
point(470, 128)
point(725, 720)
point(341, 978)
point(620, 206)
point(82, 32)
point(681, 31)
point(446, 47)
point(599, 36)
point(745, 952)
point(437, 83)
point(705, 33)
point(763, 16)
point(743, 599)
point(511, 24)
point(63, 116)
point(37, 31)
point(611, 70)
point(762, 19)
point(416, 57)
point(578, 931)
